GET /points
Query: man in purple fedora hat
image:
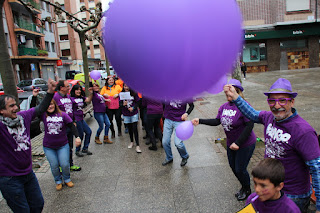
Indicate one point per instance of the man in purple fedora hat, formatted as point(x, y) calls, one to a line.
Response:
point(289, 138)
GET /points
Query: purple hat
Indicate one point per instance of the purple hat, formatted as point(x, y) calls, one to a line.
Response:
point(236, 83)
point(281, 86)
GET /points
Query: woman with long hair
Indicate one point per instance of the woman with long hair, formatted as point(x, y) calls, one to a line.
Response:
point(79, 99)
point(111, 92)
point(131, 116)
point(240, 139)
point(99, 112)
point(55, 143)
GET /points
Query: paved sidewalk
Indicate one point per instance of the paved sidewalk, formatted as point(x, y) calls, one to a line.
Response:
point(117, 179)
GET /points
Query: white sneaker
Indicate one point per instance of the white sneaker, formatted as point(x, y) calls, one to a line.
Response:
point(130, 145)
point(138, 150)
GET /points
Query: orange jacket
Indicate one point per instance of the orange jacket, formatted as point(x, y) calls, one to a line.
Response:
point(119, 82)
point(115, 89)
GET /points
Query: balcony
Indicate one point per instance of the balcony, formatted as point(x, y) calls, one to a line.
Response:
point(27, 27)
point(35, 5)
point(27, 51)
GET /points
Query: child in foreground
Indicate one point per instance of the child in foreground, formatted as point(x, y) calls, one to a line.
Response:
point(268, 177)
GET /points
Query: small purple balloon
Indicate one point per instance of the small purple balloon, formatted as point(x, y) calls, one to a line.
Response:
point(95, 74)
point(172, 49)
point(185, 130)
point(218, 86)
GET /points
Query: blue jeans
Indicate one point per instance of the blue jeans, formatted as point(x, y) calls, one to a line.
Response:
point(22, 193)
point(83, 127)
point(59, 157)
point(168, 128)
point(102, 118)
point(238, 161)
point(302, 203)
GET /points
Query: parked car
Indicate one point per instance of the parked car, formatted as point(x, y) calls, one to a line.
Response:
point(2, 91)
point(25, 100)
point(71, 73)
point(29, 85)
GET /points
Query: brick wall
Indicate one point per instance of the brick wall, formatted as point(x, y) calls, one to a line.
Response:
point(298, 60)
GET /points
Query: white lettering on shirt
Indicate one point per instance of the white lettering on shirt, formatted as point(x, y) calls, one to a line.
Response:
point(274, 144)
point(226, 121)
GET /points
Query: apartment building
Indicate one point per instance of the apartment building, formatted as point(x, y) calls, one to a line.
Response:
point(71, 52)
point(280, 34)
point(32, 48)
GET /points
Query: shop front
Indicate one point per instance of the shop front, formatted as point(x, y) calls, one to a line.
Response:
point(282, 48)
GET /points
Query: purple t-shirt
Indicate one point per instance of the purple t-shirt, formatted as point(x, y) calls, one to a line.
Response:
point(292, 141)
point(77, 107)
point(131, 103)
point(154, 107)
point(64, 103)
point(173, 110)
point(15, 147)
point(283, 205)
point(98, 102)
point(55, 135)
point(233, 123)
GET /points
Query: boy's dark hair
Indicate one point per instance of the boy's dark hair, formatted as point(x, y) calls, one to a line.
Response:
point(271, 169)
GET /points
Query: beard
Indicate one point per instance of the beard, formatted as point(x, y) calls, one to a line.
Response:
point(280, 114)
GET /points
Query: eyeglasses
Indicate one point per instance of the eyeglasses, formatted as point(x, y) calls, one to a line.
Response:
point(282, 101)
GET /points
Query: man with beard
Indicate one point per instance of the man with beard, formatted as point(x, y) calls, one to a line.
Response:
point(289, 138)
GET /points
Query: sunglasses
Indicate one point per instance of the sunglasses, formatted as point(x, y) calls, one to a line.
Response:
point(282, 101)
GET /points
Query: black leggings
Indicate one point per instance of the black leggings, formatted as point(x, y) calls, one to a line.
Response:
point(117, 113)
point(133, 129)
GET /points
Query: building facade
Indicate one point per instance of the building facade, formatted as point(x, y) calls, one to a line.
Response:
point(71, 52)
point(280, 34)
point(32, 48)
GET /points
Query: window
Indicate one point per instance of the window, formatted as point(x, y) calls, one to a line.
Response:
point(41, 4)
point(7, 39)
point(48, 7)
point(297, 5)
point(47, 45)
point(293, 44)
point(96, 46)
point(53, 47)
point(65, 52)
point(81, 1)
point(50, 27)
point(254, 52)
point(64, 37)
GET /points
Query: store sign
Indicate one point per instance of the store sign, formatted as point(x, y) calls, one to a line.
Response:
point(59, 63)
point(250, 36)
point(297, 32)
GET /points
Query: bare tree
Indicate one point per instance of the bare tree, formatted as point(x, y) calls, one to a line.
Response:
point(86, 29)
point(236, 74)
point(6, 69)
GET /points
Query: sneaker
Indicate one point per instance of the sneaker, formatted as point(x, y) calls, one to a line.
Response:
point(130, 145)
point(126, 130)
point(85, 151)
point(70, 184)
point(184, 161)
point(79, 154)
point(138, 150)
point(166, 162)
point(59, 187)
point(153, 148)
point(75, 168)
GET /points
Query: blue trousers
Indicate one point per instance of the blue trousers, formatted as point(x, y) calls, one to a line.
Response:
point(168, 128)
point(83, 127)
point(59, 157)
point(102, 120)
point(22, 193)
point(238, 161)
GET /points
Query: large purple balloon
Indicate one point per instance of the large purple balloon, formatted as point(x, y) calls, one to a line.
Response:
point(217, 87)
point(172, 49)
point(185, 130)
point(95, 74)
